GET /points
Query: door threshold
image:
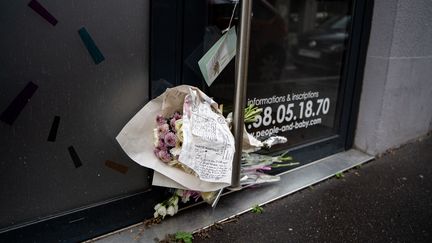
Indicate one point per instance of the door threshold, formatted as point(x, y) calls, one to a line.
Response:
point(239, 202)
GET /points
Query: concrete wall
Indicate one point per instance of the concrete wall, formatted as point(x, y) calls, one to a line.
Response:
point(396, 100)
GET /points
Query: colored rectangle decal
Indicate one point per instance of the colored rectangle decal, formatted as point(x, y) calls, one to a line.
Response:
point(38, 8)
point(75, 157)
point(14, 109)
point(54, 127)
point(91, 46)
point(116, 166)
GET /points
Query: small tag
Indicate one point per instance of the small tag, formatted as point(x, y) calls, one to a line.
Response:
point(218, 57)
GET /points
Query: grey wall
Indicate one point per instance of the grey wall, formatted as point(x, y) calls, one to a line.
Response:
point(396, 100)
point(38, 178)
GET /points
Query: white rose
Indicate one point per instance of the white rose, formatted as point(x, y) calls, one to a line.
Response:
point(175, 209)
point(157, 206)
point(155, 214)
point(162, 211)
point(175, 151)
point(171, 210)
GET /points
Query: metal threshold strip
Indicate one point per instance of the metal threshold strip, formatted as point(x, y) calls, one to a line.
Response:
point(239, 202)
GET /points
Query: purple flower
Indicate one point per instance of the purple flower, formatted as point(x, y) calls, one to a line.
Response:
point(172, 123)
point(195, 195)
point(164, 156)
point(156, 152)
point(160, 120)
point(177, 116)
point(170, 139)
point(163, 129)
point(187, 194)
point(161, 145)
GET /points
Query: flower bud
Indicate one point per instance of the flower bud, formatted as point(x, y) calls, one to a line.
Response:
point(179, 192)
point(175, 200)
point(171, 211)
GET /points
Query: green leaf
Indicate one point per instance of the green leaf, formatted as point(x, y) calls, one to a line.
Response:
point(339, 175)
point(284, 165)
point(251, 113)
point(186, 237)
point(257, 209)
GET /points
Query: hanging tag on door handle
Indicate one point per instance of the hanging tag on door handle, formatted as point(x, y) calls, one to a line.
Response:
point(218, 57)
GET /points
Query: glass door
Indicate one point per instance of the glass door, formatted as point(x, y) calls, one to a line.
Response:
point(300, 53)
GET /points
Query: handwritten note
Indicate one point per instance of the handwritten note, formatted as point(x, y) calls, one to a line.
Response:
point(208, 145)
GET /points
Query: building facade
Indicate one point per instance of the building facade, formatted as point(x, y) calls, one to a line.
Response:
point(329, 75)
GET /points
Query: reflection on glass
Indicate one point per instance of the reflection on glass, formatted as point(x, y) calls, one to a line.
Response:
point(296, 58)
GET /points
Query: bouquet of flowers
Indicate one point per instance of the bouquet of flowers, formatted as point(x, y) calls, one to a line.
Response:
point(183, 136)
point(168, 140)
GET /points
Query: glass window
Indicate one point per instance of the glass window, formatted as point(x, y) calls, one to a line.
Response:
point(296, 59)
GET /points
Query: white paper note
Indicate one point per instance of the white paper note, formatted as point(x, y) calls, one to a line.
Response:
point(208, 144)
point(218, 57)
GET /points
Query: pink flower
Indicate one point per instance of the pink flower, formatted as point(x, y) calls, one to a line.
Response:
point(161, 145)
point(187, 194)
point(265, 168)
point(177, 116)
point(160, 120)
point(170, 139)
point(156, 152)
point(164, 156)
point(163, 129)
point(195, 195)
point(172, 123)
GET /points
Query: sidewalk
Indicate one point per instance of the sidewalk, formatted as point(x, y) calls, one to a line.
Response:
point(386, 200)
